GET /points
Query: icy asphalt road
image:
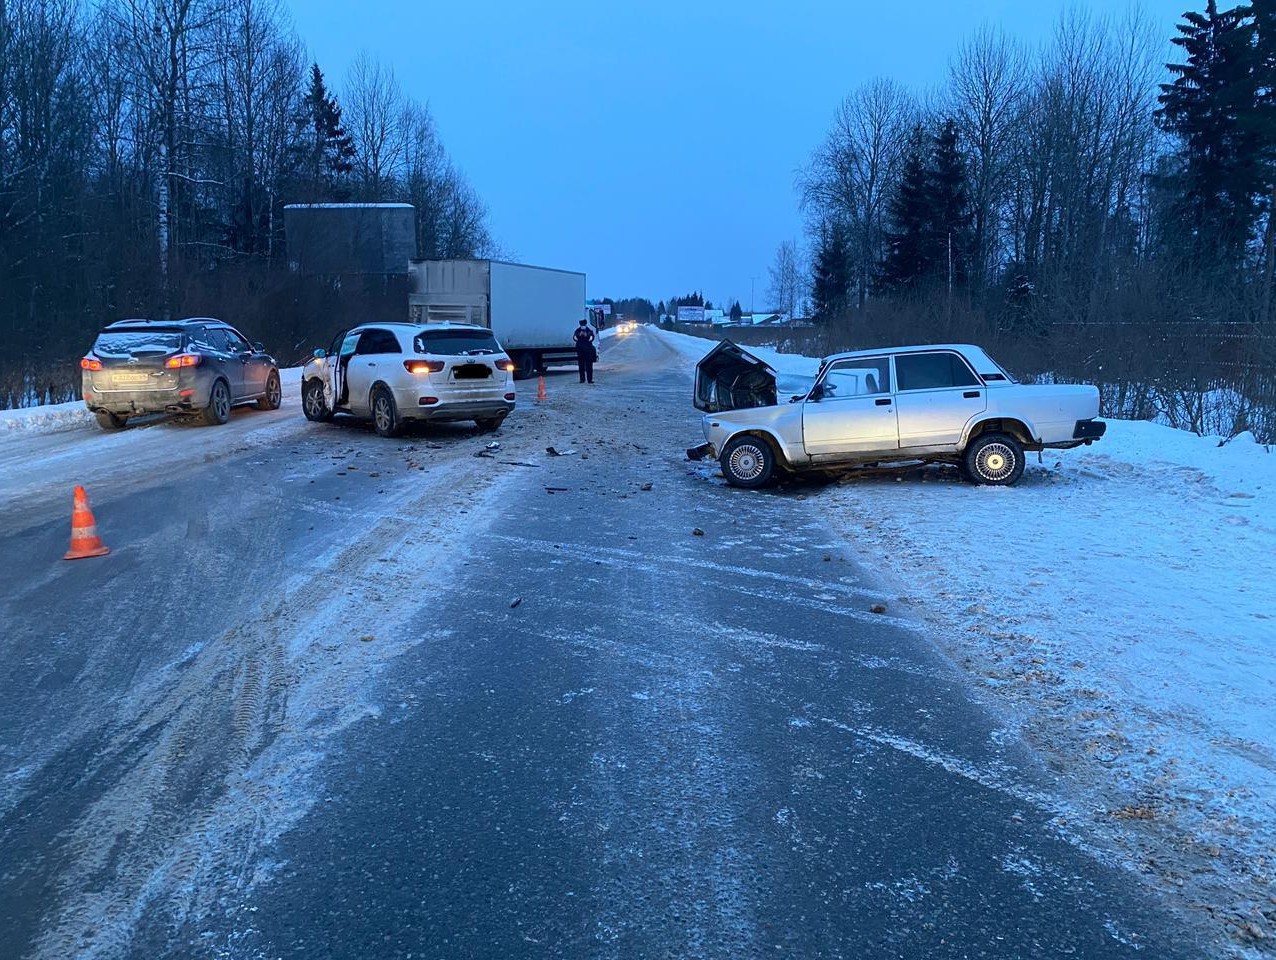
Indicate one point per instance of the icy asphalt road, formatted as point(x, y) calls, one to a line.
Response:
point(302, 719)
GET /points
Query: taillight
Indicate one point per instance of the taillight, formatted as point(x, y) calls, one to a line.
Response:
point(90, 363)
point(509, 366)
point(423, 366)
point(183, 360)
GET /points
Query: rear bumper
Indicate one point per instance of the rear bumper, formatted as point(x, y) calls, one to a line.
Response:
point(137, 403)
point(1089, 430)
point(459, 410)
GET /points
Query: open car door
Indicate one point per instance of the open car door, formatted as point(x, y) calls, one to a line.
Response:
point(728, 377)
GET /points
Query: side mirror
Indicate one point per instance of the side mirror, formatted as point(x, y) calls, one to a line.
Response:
point(259, 348)
point(320, 354)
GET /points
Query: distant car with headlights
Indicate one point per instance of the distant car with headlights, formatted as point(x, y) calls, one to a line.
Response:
point(194, 366)
point(391, 373)
point(949, 403)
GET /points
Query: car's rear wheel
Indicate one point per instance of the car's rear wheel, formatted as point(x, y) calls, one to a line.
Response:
point(748, 462)
point(110, 421)
point(385, 415)
point(218, 410)
point(313, 404)
point(994, 459)
point(274, 395)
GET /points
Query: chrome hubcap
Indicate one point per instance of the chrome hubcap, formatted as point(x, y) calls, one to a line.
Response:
point(996, 461)
point(746, 462)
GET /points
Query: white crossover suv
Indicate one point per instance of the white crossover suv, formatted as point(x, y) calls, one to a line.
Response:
point(946, 403)
point(395, 372)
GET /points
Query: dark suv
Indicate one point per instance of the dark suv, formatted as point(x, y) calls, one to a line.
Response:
point(200, 365)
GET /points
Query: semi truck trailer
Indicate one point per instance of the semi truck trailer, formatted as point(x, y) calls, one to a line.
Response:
point(531, 310)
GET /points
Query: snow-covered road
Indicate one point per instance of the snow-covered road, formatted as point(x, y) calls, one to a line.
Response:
point(297, 711)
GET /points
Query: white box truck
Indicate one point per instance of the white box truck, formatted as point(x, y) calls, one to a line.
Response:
point(531, 310)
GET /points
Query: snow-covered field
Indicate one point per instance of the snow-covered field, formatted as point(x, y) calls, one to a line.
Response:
point(1119, 604)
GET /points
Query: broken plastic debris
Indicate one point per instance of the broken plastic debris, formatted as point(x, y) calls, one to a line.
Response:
point(559, 453)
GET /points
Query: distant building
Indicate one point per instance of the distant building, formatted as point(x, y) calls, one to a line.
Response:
point(344, 239)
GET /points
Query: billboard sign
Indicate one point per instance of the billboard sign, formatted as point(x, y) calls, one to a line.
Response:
point(691, 314)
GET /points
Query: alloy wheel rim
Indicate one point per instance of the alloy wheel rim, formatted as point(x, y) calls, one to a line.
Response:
point(746, 462)
point(383, 414)
point(221, 402)
point(314, 401)
point(996, 461)
point(273, 392)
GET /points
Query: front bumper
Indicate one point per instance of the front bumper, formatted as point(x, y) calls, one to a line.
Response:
point(704, 451)
point(1089, 430)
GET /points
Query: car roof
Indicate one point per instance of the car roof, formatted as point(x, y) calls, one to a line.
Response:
point(187, 322)
point(402, 325)
point(965, 349)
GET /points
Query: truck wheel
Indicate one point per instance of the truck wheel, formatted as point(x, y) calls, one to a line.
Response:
point(109, 421)
point(218, 410)
point(385, 415)
point(274, 394)
point(528, 364)
point(748, 462)
point(994, 459)
point(313, 405)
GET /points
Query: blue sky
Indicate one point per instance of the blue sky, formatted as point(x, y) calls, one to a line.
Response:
point(654, 145)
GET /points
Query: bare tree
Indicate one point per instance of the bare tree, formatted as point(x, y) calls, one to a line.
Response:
point(987, 83)
point(785, 273)
point(852, 174)
point(377, 120)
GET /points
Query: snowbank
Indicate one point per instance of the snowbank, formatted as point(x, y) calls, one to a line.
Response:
point(1119, 604)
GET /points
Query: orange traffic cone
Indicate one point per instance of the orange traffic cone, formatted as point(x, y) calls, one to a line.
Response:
point(541, 394)
point(84, 539)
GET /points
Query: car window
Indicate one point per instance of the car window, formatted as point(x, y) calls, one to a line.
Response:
point(862, 377)
point(378, 341)
point(123, 344)
point(455, 343)
point(234, 342)
point(334, 348)
point(206, 339)
point(350, 342)
point(933, 371)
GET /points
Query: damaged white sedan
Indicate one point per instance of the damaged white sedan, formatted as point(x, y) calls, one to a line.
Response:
point(949, 403)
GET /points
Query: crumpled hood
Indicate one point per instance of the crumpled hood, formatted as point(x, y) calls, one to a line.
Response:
point(728, 377)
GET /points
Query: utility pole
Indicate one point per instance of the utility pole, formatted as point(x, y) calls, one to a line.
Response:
point(751, 279)
point(950, 278)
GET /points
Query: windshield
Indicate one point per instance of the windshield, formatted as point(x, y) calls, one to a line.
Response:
point(456, 343)
point(123, 344)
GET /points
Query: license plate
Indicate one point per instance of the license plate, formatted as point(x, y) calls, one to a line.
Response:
point(472, 371)
point(132, 378)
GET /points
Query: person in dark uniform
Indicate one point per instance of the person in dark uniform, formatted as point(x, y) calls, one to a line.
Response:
point(586, 352)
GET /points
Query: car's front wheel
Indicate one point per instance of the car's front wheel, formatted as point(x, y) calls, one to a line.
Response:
point(109, 421)
point(313, 404)
point(385, 415)
point(995, 459)
point(218, 410)
point(748, 462)
point(274, 394)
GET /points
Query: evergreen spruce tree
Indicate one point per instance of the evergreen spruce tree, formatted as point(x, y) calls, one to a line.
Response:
point(1211, 105)
point(949, 206)
point(909, 244)
point(736, 312)
point(830, 274)
point(327, 150)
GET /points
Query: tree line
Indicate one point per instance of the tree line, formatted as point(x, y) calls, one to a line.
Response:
point(1084, 206)
point(147, 149)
